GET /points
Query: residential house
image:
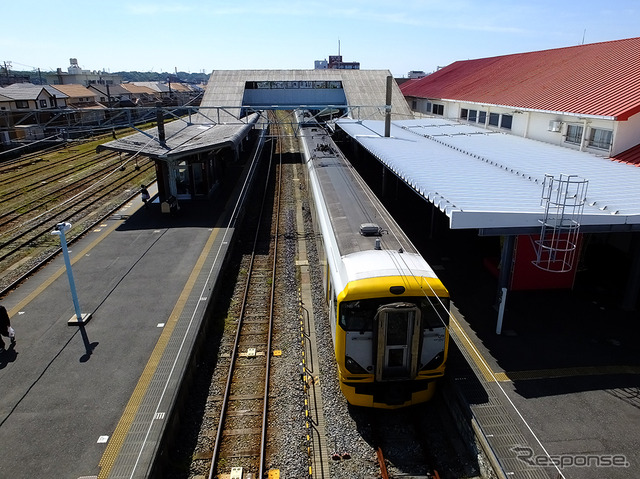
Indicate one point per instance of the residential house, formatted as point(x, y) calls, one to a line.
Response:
point(28, 108)
point(112, 96)
point(84, 102)
point(141, 95)
point(27, 96)
point(585, 97)
point(162, 90)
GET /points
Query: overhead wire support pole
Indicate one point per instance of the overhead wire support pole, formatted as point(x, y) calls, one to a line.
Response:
point(387, 108)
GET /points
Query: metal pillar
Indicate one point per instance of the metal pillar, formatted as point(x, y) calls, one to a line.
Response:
point(80, 318)
point(387, 116)
point(506, 258)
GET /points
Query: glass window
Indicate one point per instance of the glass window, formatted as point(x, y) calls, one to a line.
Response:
point(574, 134)
point(473, 115)
point(464, 114)
point(482, 117)
point(22, 104)
point(493, 119)
point(600, 138)
point(43, 103)
point(506, 121)
point(359, 315)
point(438, 109)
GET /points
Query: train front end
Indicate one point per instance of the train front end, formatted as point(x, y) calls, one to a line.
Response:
point(391, 335)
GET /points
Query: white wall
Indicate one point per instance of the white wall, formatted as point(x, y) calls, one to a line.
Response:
point(627, 134)
point(535, 125)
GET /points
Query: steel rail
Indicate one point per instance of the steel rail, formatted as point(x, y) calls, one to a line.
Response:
point(263, 439)
point(79, 205)
point(234, 354)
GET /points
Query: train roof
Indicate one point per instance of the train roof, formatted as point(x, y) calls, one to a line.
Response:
point(357, 217)
point(378, 263)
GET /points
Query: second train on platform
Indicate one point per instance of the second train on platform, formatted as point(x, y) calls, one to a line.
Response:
point(389, 312)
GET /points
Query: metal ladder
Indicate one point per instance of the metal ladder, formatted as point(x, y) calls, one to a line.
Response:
point(563, 201)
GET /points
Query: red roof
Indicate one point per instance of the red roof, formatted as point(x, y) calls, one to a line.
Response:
point(630, 156)
point(600, 79)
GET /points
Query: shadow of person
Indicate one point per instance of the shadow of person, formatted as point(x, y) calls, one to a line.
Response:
point(8, 356)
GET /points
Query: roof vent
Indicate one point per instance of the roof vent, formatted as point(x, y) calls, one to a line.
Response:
point(370, 229)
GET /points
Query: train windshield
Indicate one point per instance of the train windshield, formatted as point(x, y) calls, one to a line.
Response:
point(359, 315)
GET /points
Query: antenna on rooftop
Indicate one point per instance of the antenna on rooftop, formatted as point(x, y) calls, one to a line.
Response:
point(338, 46)
point(583, 34)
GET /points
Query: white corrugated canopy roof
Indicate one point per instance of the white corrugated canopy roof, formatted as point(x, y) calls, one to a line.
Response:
point(490, 180)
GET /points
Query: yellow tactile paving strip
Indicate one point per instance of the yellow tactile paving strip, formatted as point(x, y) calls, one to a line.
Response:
point(124, 425)
point(62, 270)
point(492, 376)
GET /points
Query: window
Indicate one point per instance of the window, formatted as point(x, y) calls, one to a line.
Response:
point(493, 119)
point(414, 105)
point(464, 114)
point(574, 134)
point(438, 109)
point(506, 122)
point(600, 138)
point(360, 315)
point(482, 117)
point(22, 104)
point(473, 115)
point(43, 103)
point(52, 101)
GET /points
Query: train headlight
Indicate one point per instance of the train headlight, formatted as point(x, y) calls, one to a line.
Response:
point(353, 367)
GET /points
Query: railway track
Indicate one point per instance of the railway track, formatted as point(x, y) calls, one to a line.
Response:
point(402, 443)
point(241, 438)
point(66, 184)
point(39, 197)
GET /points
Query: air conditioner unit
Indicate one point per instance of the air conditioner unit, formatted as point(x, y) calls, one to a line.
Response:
point(555, 125)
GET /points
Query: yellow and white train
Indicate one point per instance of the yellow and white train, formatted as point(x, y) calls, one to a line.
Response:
point(389, 312)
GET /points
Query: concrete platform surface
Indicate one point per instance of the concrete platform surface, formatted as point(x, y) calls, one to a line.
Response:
point(73, 397)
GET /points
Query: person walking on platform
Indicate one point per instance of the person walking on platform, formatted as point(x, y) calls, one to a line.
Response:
point(5, 328)
point(145, 195)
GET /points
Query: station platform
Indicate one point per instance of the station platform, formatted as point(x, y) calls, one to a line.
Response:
point(92, 400)
point(557, 393)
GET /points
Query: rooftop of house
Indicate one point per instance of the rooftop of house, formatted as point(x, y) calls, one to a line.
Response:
point(74, 91)
point(29, 91)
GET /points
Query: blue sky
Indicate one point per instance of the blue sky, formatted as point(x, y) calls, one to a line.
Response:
point(200, 35)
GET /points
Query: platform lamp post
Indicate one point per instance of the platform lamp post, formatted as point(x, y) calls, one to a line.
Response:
point(79, 318)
